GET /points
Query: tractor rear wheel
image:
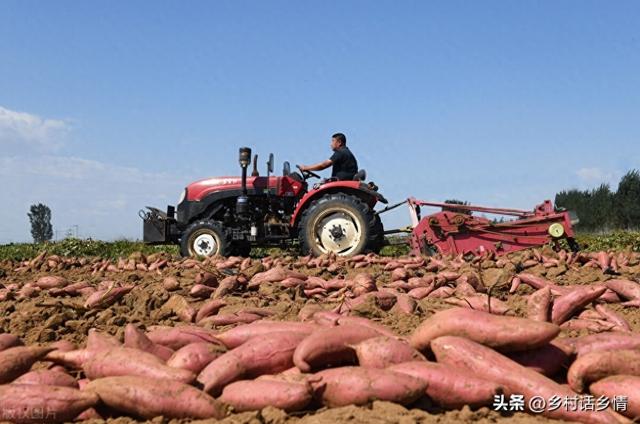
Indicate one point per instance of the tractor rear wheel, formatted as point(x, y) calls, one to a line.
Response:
point(204, 238)
point(338, 223)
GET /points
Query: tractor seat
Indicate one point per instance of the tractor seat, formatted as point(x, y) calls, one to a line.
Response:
point(360, 175)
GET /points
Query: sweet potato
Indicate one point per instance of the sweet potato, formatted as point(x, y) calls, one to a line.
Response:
point(359, 386)
point(383, 351)
point(201, 291)
point(35, 403)
point(236, 336)
point(179, 306)
point(227, 285)
point(51, 281)
point(608, 341)
point(331, 346)
point(106, 297)
point(548, 359)
point(614, 317)
point(47, 378)
point(441, 292)
point(136, 339)
point(9, 340)
point(405, 304)
point(566, 305)
point(149, 398)
point(620, 385)
point(195, 356)
point(209, 308)
point(17, 360)
point(626, 288)
point(266, 354)
point(448, 387)
point(593, 366)
point(230, 318)
point(253, 395)
point(539, 305)
point(73, 359)
point(481, 302)
point(170, 283)
point(595, 326)
point(480, 361)
point(177, 337)
point(119, 361)
point(500, 332)
point(365, 322)
point(97, 340)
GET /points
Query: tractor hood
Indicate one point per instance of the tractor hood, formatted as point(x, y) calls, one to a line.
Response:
point(202, 188)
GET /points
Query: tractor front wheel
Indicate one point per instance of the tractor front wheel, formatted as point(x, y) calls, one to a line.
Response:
point(338, 223)
point(204, 238)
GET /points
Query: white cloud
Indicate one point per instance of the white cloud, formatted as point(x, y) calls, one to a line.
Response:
point(591, 177)
point(101, 198)
point(20, 129)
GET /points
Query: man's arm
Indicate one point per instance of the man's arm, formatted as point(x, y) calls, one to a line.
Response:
point(318, 166)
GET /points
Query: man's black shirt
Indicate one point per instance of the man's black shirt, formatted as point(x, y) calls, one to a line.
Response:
point(345, 165)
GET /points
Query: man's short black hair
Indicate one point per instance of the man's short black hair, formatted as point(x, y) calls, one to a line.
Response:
point(341, 138)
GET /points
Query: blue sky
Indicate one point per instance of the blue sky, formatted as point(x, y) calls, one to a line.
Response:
point(106, 107)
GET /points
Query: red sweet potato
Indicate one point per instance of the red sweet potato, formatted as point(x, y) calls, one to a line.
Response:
point(383, 351)
point(9, 340)
point(596, 326)
point(539, 305)
point(448, 387)
point(566, 305)
point(230, 318)
point(209, 308)
point(51, 281)
point(106, 297)
point(481, 302)
point(614, 317)
point(47, 378)
point(480, 361)
point(365, 322)
point(405, 304)
point(177, 337)
point(149, 398)
point(625, 288)
point(594, 366)
point(359, 386)
point(266, 354)
point(620, 385)
point(97, 341)
point(17, 360)
point(331, 346)
point(170, 284)
point(195, 356)
point(548, 359)
point(236, 336)
point(120, 361)
point(136, 339)
point(500, 332)
point(35, 403)
point(607, 341)
point(252, 395)
point(73, 359)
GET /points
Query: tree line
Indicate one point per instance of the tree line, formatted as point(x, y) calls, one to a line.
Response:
point(601, 209)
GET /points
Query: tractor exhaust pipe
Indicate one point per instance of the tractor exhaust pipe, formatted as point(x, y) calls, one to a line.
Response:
point(242, 204)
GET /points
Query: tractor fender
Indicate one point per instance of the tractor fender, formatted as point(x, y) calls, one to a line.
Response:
point(355, 188)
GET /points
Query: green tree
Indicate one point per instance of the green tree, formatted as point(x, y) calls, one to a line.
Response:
point(627, 201)
point(40, 218)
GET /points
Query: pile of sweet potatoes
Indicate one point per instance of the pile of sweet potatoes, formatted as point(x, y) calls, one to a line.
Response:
point(489, 326)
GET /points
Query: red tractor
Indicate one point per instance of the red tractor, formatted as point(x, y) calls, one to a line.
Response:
point(229, 215)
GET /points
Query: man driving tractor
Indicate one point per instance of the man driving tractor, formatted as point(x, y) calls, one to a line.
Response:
point(344, 163)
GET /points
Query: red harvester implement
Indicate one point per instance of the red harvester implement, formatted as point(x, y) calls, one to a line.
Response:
point(455, 230)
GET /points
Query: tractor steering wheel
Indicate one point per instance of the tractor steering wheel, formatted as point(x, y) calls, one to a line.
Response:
point(308, 174)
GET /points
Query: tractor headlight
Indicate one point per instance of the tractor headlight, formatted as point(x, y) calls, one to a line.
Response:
point(183, 195)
